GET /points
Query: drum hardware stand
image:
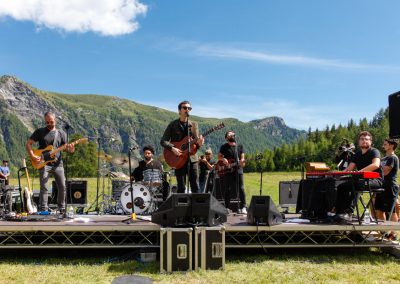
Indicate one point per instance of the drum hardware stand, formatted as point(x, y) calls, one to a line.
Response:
point(96, 202)
point(132, 218)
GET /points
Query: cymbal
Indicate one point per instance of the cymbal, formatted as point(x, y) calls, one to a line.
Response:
point(105, 157)
point(123, 162)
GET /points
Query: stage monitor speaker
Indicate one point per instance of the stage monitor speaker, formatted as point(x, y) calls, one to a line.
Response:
point(207, 210)
point(174, 212)
point(181, 209)
point(262, 211)
point(76, 192)
point(394, 115)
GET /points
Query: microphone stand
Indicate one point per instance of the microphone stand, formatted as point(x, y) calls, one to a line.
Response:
point(259, 167)
point(133, 215)
point(67, 128)
point(188, 161)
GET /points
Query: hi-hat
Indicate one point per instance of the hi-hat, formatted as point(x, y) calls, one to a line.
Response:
point(105, 157)
point(123, 162)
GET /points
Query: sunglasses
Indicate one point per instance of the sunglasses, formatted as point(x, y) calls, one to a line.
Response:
point(186, 108)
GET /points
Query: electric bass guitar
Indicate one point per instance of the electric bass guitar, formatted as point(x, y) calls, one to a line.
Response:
point(28, 193)
point(48, 154)
point(178, 162)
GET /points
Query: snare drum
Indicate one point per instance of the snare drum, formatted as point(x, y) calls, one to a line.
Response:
point(152, 177)
point(142, 198)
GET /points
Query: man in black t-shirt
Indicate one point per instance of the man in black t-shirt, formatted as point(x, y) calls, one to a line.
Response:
point(367, 159)
point(390, 165)
point(146, 164)
point(231, 163)
point(46, 136)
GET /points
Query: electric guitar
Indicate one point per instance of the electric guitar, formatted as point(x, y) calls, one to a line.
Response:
point(28, 193)
point(48, 154)
point(178, 162)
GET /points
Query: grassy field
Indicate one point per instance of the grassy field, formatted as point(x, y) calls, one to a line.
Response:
point(245, 266)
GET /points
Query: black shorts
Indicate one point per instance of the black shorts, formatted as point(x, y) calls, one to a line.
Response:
point(384, 200)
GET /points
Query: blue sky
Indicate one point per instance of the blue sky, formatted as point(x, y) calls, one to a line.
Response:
point(312, 63)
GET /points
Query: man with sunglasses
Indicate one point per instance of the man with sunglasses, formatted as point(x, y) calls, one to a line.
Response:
point(367, 159)
point(176, 131)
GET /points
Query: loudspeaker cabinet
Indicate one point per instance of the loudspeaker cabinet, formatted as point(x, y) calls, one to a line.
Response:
point(176, 249)
point(209, 248)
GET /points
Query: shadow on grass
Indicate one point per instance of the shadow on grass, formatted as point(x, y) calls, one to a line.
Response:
point(124, 261)
point(121, 261)
point(315, 255)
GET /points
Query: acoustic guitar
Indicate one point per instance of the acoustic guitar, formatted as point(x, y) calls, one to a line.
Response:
point(178, 162)
point(48, 154)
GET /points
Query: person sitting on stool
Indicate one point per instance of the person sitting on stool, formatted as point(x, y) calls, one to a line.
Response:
point(367, 159)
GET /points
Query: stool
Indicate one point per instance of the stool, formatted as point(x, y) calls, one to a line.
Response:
point(359, 198)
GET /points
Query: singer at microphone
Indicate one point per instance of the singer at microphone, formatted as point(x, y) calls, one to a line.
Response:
point(179, 130)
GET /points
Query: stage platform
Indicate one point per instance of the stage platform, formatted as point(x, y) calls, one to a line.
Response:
point(113, 231)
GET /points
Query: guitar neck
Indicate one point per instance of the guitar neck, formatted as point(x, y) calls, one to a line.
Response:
point(63, 147)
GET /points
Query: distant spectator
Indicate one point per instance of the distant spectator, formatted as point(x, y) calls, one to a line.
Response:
point(5, 172)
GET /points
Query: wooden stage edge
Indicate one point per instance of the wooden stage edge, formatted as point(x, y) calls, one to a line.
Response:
point(111, 231)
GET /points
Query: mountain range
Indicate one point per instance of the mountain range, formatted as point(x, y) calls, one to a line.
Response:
point(116, 124)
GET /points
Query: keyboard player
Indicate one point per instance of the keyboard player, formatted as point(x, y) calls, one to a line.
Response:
point(366, 159)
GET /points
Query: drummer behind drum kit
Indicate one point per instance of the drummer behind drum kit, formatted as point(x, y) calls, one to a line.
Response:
point(147, 194)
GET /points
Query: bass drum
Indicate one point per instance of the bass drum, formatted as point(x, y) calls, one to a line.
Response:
point(142, 199)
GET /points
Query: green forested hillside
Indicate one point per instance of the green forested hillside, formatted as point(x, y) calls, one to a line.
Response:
point(118, 123)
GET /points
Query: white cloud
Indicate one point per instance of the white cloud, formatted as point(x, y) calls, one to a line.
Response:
point(229, 52)
point(106, 17)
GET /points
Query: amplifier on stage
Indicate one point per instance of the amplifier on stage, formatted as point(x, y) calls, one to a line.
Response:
point(209, 248)
point(288, 191)
point(76, 192)
point(175, 249)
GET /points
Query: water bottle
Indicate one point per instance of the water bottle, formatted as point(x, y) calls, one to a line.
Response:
point(71, 212)
point(367, 217)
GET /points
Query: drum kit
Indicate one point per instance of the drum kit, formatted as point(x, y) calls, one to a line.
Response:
point(116, 194)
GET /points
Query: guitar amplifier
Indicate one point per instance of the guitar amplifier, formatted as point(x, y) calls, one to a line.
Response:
point(76, 192)
point(288, 192)
point(176, 249)
point(209, 248)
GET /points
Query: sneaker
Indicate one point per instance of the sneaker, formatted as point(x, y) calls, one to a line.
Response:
point(239, 211)
point(244, 210)
point(345, 217)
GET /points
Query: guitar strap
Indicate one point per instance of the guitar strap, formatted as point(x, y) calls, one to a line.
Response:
point(55, 141)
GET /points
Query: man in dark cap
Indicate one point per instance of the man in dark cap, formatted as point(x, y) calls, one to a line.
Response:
point(4, 172)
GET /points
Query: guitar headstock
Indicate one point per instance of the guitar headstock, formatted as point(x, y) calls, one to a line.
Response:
point(219, 126)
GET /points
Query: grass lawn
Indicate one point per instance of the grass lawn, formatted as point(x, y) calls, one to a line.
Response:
point(244, 266)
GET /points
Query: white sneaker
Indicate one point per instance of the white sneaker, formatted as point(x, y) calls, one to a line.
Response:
point(243, 210)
